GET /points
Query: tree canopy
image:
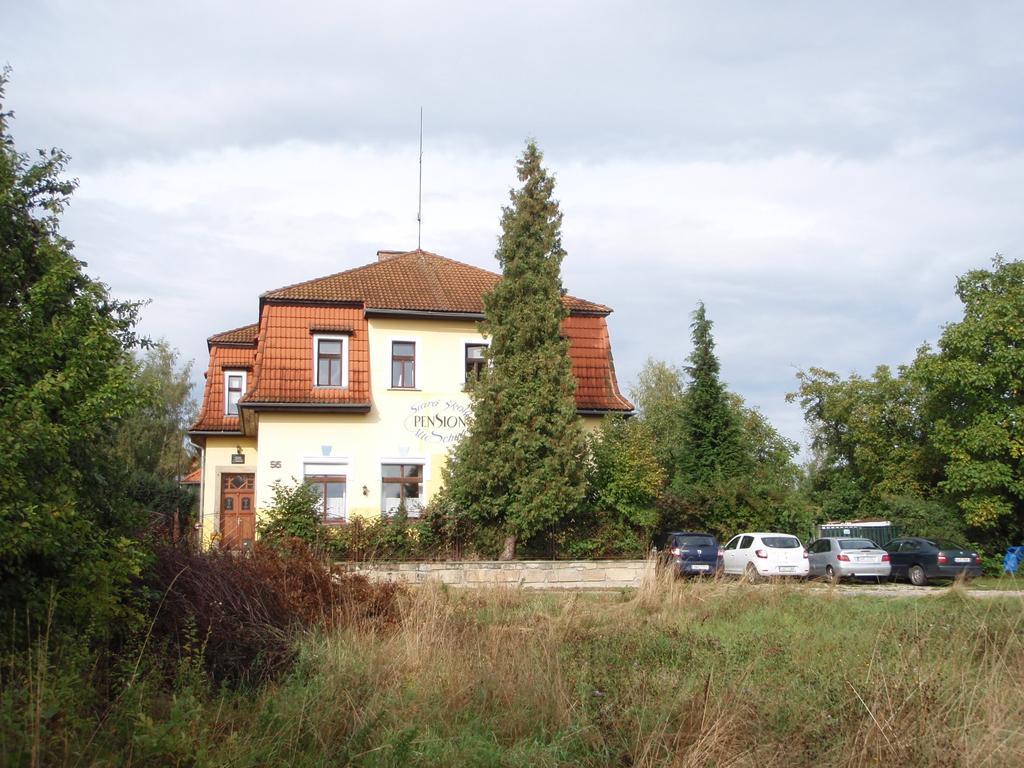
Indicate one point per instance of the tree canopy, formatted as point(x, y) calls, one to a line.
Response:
point(152, 438)
point(974, 384)
point(67, 380)
point(937, 445)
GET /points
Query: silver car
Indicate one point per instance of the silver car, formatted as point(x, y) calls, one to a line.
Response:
point(838, 559)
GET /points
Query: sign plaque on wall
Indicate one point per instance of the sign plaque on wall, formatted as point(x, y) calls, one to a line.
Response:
point(439, 421)
point(238, 458)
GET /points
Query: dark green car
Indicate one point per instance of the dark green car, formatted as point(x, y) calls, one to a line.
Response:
point(920, 560)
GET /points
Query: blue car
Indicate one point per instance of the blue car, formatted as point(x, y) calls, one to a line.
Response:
point(692, 553)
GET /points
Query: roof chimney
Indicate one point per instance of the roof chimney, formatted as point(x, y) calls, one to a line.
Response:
point(385, 255)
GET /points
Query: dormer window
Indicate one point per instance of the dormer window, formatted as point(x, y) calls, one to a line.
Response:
point(234, 388)
point(330, 361)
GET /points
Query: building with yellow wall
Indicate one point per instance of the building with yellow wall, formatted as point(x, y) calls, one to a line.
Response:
point(355, 382)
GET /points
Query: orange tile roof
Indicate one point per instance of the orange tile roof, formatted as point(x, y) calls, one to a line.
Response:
point(244, 335)
point(590, 350)
point(192, 478)
point(283, 371)
point(278, 349)
point(415, 280)
point(223, 356)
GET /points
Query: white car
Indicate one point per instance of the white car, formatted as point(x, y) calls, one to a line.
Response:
point(762, 555)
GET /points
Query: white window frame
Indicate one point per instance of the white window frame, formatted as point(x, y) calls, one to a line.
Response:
point(344, 339)
point(417, 346)
point(423, 462)
point(478, 342)
point(329, 466)
point(245, 380)
point(415, 363)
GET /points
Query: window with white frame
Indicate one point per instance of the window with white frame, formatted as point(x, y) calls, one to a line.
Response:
point(401, 488)
point(475, 361)
point(403, 364)
point(234, 388)
point(330, 360)
point(331, 489)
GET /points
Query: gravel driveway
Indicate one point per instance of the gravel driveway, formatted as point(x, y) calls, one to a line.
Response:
point(909, 590)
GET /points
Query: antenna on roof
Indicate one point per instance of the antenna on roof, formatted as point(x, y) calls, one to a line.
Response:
point(419, 209)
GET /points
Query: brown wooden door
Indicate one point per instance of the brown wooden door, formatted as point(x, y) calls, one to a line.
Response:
point(237, 516)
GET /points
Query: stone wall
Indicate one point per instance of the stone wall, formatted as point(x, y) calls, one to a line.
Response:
point(528, 574)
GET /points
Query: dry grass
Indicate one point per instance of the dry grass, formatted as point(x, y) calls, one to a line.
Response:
point(244, 612)
point(688, 674)
point(694, 674)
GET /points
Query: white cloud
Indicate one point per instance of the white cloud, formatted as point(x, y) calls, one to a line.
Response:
point(802, 259)
point(816, 173)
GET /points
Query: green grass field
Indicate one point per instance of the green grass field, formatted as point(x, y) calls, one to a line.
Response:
point(682, 674)
point(1008, 582)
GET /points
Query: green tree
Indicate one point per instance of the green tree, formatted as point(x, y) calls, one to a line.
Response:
point(975, 397)
point(626, 478)
point(624, 482)
point(712, 448)
point(869, 439)
point(758, 486)
point(660, 397)
point(66, 382)
point(519, 467)
point(153, 438)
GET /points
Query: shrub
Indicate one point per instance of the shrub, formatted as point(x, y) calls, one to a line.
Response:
point(605, 539)
point(294, 513)
point(438, 533)
point(915, 516)
point(245, 611)
point(621, 511)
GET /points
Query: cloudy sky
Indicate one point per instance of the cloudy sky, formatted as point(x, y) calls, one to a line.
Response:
point(817, 173)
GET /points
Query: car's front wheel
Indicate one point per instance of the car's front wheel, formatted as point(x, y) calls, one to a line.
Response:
point(917, 576)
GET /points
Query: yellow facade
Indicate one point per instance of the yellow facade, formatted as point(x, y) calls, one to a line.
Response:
point(216, 460)
point(415, 426)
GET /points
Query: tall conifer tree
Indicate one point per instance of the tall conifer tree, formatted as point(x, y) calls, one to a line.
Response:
point(712, 449)
point(519, 466)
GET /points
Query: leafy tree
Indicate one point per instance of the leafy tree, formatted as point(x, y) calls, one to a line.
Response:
point(660, 397)
point(935, 516)
point(66, 382)
point(625, 475)
point(153, 438)
point(774, 480)
point(624, 481)
point(869, 438)
point(519, 466)
point(975, 395)
point(938, 446)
